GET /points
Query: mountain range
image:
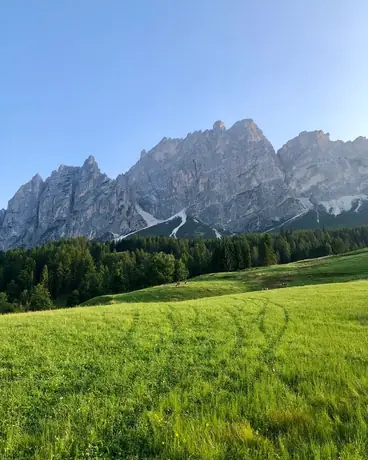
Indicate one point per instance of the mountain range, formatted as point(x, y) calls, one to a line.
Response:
point(212, 182)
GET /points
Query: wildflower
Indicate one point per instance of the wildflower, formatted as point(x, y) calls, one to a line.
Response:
point(207, 425)
point(177, 435)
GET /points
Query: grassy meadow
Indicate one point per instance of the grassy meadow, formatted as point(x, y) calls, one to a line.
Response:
point(277, 374)
point(334, 269)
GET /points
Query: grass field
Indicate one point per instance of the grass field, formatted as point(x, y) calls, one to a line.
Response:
point(277, 374)
point(342, 268)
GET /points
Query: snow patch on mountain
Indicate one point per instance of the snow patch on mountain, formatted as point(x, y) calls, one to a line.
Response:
point(151, 221)
point(147, 217)
point(306, 203)
point(342, 204)
point(359, 206)
point(183, 216)
point(288, 221)
point(217, 233)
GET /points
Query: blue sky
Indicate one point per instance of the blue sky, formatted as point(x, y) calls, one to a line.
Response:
point(111, 78)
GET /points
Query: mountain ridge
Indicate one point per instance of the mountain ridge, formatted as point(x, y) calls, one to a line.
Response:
point(225, 178)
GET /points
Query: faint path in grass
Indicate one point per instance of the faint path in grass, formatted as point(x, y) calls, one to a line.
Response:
point(273, 337)
point(133, 326)
point(237, 312)
point(270, 352)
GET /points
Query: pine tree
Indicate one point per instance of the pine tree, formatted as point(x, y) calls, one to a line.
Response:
point(3, 298)
point(45, 277)
point(283, 250)
point(246, 261)
point(230, 255)
point(181, 271)
point(255, 256)
point(161, 268)
point(327, 250)
point(118, 280)
point(73, 299)
point(5, 306)
point(338, 245)
point(266, 253)
point(40, 298)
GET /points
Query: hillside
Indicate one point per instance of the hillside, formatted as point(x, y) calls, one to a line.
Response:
point(73, 271)
point(333, 269)
point(262, 375)
point(322, 218)
point(180, 225)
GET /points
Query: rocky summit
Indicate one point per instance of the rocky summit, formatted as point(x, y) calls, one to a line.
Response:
point(227, 180)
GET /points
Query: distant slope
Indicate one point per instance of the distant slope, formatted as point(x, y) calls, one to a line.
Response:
point(180, 225)
point(319, 218)
point(332, 269)
point(328, 215)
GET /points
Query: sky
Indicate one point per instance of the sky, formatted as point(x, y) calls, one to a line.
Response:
point(82, 77)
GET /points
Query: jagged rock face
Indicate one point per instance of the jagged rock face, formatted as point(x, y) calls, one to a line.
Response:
point(20, 220)
point(227, 178)
point(230, 178)
point(2, 216)
point(71, 202)
point(322, 170)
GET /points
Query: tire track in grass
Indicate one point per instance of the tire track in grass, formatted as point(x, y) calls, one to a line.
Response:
point(268, 354)
point(240, 331)
point(128, 339)
point(277, 343)
point(274, 343)
point(167, 376)
point(238, 370)
point(130, 348)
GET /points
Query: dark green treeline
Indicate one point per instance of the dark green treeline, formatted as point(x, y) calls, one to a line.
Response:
point(72, 271)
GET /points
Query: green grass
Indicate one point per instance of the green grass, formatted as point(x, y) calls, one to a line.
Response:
point(228, 374)
point(342, 268)
point(278, 374)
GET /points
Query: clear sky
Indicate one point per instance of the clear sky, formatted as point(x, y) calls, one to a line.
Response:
point(111, 78)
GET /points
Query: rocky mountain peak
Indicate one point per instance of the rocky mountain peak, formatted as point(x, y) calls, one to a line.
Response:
point(219, 126)
point(361, 142)
point(248, 130)
point(228, 178)
point(34, 186)
point(37, 179)
point(313, 137)
point(165, 149)
point(91, 165)
point(63, 170)
point(91, 160)
point(305, 142)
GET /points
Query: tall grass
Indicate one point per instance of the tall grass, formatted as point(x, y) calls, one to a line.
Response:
point(279, 374)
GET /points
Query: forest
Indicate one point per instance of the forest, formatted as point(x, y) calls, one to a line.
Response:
point(69, 272)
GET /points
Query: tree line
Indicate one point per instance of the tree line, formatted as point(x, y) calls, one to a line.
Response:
point(69, 272)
